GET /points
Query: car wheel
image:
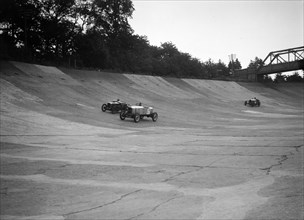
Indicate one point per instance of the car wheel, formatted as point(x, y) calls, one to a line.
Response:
point(104, 107)
point(245, 103)
point(154, 116)
point(122, 115)
point(136, 118)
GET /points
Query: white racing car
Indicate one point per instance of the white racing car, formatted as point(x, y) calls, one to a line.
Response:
point(138, 112)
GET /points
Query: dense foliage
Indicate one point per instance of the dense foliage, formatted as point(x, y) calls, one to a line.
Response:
point(94, 34)
point(295, 77)
point(91, 34)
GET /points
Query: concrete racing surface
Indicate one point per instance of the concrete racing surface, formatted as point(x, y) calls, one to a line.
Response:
point(207, 157)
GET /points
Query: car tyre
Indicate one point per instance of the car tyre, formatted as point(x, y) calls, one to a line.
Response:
point(136, 118)
point(154, 116)
point(122, 115)
point(104, 107)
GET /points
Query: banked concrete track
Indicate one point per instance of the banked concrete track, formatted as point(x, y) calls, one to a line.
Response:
point(207, 157)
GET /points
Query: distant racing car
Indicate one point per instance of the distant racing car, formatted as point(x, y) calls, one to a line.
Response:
point(138, 112)
point(253, 102)
point(114, 106)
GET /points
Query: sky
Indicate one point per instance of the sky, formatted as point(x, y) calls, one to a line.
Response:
point(216, 29)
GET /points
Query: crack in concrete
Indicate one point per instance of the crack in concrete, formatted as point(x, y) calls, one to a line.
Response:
point(103, 205)
point(281, 159)
point(163, 152)
point(154, 208)
point(179, 174)
point(190, 171)
point(297, 147)
point(280, 162)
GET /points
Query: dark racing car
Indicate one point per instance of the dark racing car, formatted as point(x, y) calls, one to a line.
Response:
point(114, 106)
point(253, 102)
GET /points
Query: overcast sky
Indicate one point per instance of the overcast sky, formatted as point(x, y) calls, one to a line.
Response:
point(215, 29)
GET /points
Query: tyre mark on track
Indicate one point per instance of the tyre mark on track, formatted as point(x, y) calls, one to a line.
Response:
point(73, 161)
point(40, 178)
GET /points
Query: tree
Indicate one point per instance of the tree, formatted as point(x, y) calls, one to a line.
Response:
point(235, 65)
point(210, 69)
point(91, 50)
point(169, 50)
point(139, 54)
point(168, 60)
point(18, 19)
point(255, 64)
point(279, 78)
point(49, 28)
point(111, 16)
point(294, 78)
point(267, 78)
point(222, 69)
point(94, 32)
point(110, 19)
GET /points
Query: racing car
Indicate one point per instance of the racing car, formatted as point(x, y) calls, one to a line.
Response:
point(137, 112)
point(114, 106)
point(253, 102)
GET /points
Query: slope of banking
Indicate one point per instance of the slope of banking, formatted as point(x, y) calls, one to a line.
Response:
point(77, 95)
point(63, 158)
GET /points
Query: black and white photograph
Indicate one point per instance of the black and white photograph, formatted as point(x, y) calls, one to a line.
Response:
point(151, 109)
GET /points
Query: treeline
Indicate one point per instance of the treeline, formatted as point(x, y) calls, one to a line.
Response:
point(92, 34)
point(96, 34)
point(280, 78)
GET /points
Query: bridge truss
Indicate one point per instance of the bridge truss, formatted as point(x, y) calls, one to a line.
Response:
point(277, 62)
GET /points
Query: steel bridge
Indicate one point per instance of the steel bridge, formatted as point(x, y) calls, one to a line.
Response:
point(276, 62)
